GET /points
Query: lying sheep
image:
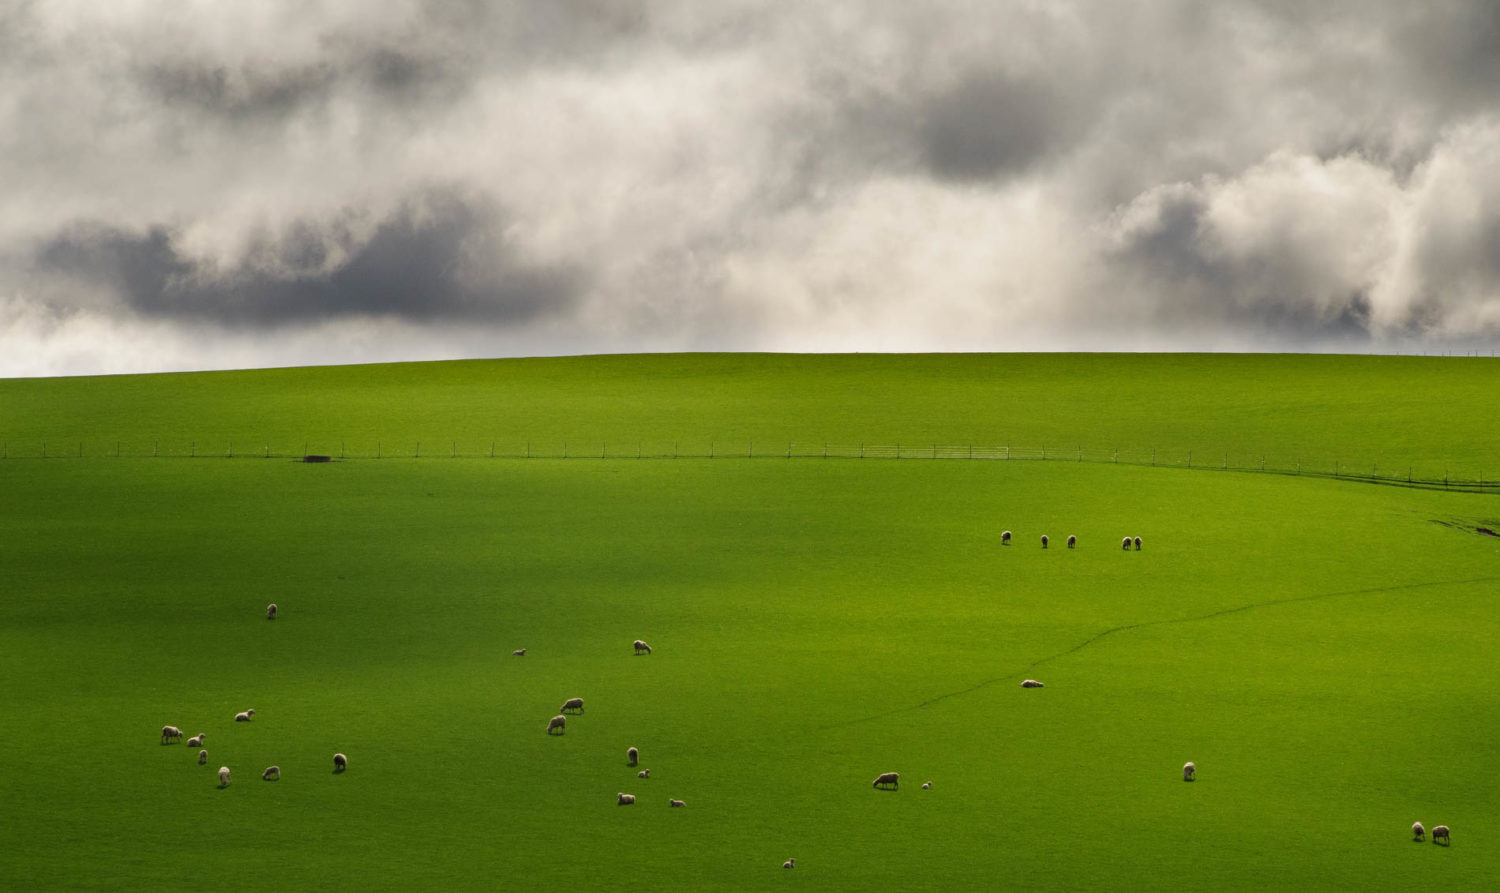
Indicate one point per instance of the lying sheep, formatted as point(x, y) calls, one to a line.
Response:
point(572, 704)
point(340, 762)
point(223, 776)
point(644, 773)
point(625, 799)
point(1032, 683)
point(790, 863)
point(633, 756)
point(272, 773)
point(1138, 544)
point(1044, 541)
point(1125, 544)
point(1441, 831)
point(203, 758)
point(1417, 831)
point(244, 716)
point(1189, 771)
point(641, 647)
point(1005, 538)
point(1072, 541)
point(926, 785)
point(169, 733)
point(196, 740)
point(271, 611)
point(560, 723)
point(519, 652)
point(888, 778)
point(675, 803)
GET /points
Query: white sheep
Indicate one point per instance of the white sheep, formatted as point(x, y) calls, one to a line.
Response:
point(926, 785)
point(644, 773)
point(168, 733)
point(1441, 831)
point(1189, 771)
point(244, 716)
point(633, 756)
point(1072, 541)
point(272, 773)
point(641, 647)
point(675, 803)
point(197, 740)
point(624, 799)
point(560, 723)
point(1044, 541)
point(223, 776)
point(340, 762)
point(1032, 683)
point(203, 758)
point(1005, 538)
point(519, 652)
point(1417, 830)
point(1125, 544)
point(790, 863)
point(1138, 544)
point(271, 611)
point(572, 704)
point(888, 778)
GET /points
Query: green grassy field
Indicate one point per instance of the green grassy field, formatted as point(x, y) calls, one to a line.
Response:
point(1321, 649)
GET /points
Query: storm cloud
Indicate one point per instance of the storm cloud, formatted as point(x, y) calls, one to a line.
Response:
point(207, 185)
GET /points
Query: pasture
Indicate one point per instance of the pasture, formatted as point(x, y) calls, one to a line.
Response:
point(1323, 650)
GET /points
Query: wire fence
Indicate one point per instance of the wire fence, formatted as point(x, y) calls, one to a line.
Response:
point(1428, 475)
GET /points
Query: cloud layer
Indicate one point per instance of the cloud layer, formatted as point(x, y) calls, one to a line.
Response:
point(208, 186)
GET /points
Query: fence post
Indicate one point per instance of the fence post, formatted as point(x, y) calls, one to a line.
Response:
point(231, 451)
point(1226, 461)
point(971, 451)
point(1007, 450)
point(44, 449)
point(710, 449)
point(789, 451)
point(637, 449)
point(418, 453)
point(861, 450)
point(1299, 466)
point(1335, 468)
point(492, 449)
point(193, 449)
point(1117, 455)
point(752, 450)
point(1262, 463)
point(565, 449)
point(528, 449)
point(454, 453)
point(1190, 458)
point(898, 451)
point(1044, 452)
point(825, 451)
point(674, 449)
point(341, 449)
point(268, 450)
point(377, 449)
point(934, 451)
point(1153, 457)
point(1080, 453)
point(604, 451)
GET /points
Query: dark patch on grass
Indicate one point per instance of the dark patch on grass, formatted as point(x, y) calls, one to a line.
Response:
point(317, 458)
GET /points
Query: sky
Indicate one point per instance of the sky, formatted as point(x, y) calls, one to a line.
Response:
point(221, 185)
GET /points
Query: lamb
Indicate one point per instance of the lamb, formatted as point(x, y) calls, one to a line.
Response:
point(223, 776)
point(272, 773)
point(1005, 538)
point(519, 652)
point(1189, 771)
point(340, 762)
point(633, 756)
point(644, 773)
point(926, 785)
point(560, 723)
point(1441, 831)
point(1072, 541)
point(1125, 544)
point(675, 803)
point(1044, 541)
point(790, 863)
point(572, 704)
point(170, 732)
point(625, 799)
point(244, 716)
point(1417, 831)
point(196, 740)
point(641, 647)
point(203, 758)
point(271, 611)
point(1138, 544)
point(1032, 683)
point(888, 778)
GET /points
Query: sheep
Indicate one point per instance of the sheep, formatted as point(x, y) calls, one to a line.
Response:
point(560, 723)
point(633, 756)
point(244, 716)
point(1441, 831)
point(1072, 541)
point(572, 704)
point(272, 773)
point(1189, 771)
point(641, 647)
point(1032, 683)
point(1005, 538)
point(223, 776)
point(623, 799)
point(197, 740)
point(519, 652)
point(1417, 831)
point(644, 773)
point(1125, 544)
point(926, 785)
point(1138, 544)
point(1044, 541)
point(340, 762)
point(203, 758)
point(170, 732)
point(271, 611)
point(790, 863)
point(888, 778)
point(675, 803)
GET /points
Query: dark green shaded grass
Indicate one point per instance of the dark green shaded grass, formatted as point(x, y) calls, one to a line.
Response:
point(802, 613)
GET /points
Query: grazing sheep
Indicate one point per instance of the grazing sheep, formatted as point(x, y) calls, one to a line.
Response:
point(675, 803)
point(519, 652)
point(633, 756)
point(244, 716)
point(1005, 538)
point(1044, 541)
point(1032, 683)
point(926, 785)
point(560, 723)
point(1189, 771)
point(888, 778)
point(1072, 541)
point(196, 740)
point(572, 704)
point(223, 776)
point(203, 758)
point(1125, 544)
point(644, 773)
point(170, 732)
point(1441, 831)
point(271, 611)
point(272, 773)
point(625, 799)
point(1417, 831)
point(641, 647)
point(790, 863)
point(1138, 544)
point(340, 762)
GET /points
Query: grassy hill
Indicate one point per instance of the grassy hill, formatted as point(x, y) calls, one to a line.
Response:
point(1322, 650)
